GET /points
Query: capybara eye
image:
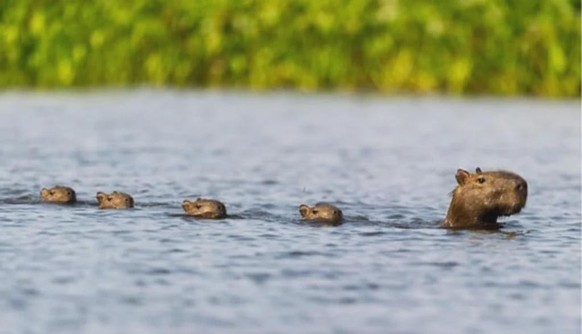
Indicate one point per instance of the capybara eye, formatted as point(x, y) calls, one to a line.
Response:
point(127, 200)
point(481, 180)
point(69, 192)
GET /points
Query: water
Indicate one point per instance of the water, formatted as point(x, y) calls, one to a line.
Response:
point(389, 163)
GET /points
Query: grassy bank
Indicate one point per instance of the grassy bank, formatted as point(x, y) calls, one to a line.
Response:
point(501, 47)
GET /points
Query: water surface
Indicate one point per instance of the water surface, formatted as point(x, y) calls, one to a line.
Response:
point(389, 163)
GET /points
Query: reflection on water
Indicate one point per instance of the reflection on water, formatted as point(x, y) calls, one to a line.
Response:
point(389, 164)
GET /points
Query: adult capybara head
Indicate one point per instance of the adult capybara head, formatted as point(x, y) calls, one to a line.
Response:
point(58, 194)
point(204, 208)
point(481, 197)
point(115, 200)
point(321, 212)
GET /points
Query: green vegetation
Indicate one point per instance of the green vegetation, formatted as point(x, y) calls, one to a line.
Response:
point(453, 46)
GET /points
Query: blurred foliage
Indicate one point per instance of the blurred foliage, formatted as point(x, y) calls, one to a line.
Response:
point(451, 46)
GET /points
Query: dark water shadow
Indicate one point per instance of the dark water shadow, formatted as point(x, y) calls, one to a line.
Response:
point(192, 219)
point(25, 199)
point(398, 223)
point(164, 205)
point(32, 200)
point(509, 230)
point(184, 215)
point(317, 224)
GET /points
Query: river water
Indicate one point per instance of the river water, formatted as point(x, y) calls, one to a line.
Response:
point(388, 163)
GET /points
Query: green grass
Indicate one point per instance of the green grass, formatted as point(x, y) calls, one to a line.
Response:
point(500, 47)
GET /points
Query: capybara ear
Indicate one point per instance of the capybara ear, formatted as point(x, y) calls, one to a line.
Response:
point(462, 176)
point(478, 170)
point(303, 209)
point(186, 203)
point(100, 196)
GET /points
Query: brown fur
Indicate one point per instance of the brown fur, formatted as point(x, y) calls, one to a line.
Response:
point(58, 194)
point(204, 208)
point(480, 198)
point(321, 212)
point(115, 200)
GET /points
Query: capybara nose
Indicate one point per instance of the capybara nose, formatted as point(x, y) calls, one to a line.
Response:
point(521, 187)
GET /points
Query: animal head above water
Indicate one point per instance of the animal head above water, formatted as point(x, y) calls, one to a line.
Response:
point(58, 194)
point(480, 198)
point(321, 212)
point(115, 200)
point(204, 208)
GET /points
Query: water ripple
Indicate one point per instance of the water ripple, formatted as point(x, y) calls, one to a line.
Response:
point(389, 164)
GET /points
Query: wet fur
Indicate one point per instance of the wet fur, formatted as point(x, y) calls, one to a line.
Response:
point(115, 200)
point(204, 208)
point(321, 212)
point(480, 198)
point(58, 194)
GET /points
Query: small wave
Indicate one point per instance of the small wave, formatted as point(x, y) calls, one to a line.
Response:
point(443, 264)
point(25, 199)
point(299, 254)
point(372, 234)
